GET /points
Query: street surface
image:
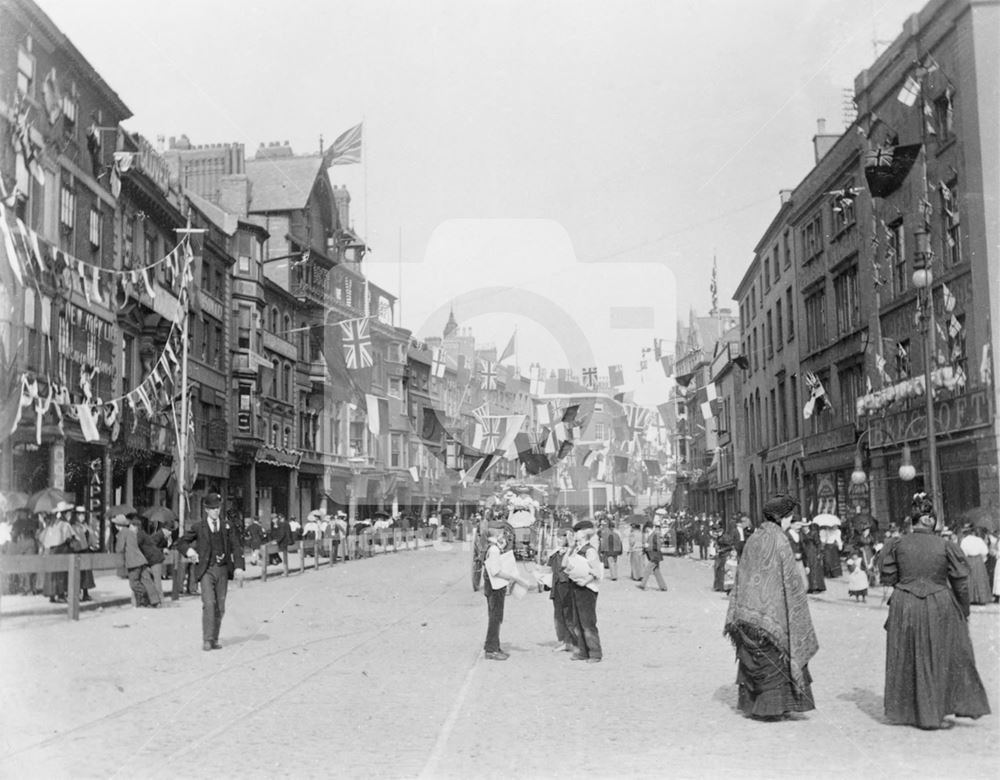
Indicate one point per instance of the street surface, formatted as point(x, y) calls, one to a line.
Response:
point(375, 669)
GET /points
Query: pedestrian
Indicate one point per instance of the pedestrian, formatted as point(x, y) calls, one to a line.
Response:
point(254, 538)
point(56, 538)
point(152, 546)
point(930, 669)
point(583, 565)
point(741, 533)
point(794, 534)
point(86, 541)
point(22, 542)
point(857, 577)
point(812, 557)
point(139, 579)
point(768, 621)
point(832, 545)
point(562, 594)
point(729, 574)
point(215, 548)
point(612, 544)
point(653, 549)
point(635, 554)
point(496, 578)
point(281, 535)
point(723, 546)
point(975, 549)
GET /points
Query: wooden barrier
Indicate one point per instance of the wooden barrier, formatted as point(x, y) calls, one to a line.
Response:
point(71, 564)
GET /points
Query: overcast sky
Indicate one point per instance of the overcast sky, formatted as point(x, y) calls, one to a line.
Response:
point(641, 138)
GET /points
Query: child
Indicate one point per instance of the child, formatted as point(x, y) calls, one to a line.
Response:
point(495, 582)
point(857, 578)
point(729, 574)
point(562, 595)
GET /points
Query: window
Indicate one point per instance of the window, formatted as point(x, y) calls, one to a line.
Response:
point(773, 430)
point(220, 353)
point(275, 378)
point(777, 264)
point(219, 289)
point(287, 384)
point(851, 383)
point(843, 211)
point(600, 431)
point(779, 339)
point(395, 387)
point(149, 248)
point(944, 116)
point(203, 340)
point(95, 229)
point(816, 320)
point(951, 224)
point(396, 450)
point(789, 304)
point(274, 320)
point(821, 420)
point(67, 208)
point(787, 241)
point(845, 291)
point(243, 319)
point(767, 273)
point(26, 70)
point(793, 388)
point(895, 256)
point(756, 354)
point(128, 237)
point(243, 265)
point(286, 326)
point(956, 343)
point(70, 108)
point(782, 412)
point(812, 238)
point(770, 336)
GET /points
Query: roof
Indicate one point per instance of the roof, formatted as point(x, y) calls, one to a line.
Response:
point(221, 218)
point(282, 183)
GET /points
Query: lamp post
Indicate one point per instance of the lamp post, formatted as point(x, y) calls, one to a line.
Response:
point(357, 464)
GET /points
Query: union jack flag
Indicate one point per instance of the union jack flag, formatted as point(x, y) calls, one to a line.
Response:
point(590, 377)
point(481, 411)
point(357, 340)
point(489, 432)
point(637, 417)
point(437, 363)
point(489, 369)
point(345, 149)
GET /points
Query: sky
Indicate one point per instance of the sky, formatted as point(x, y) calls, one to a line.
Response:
point(570, 169)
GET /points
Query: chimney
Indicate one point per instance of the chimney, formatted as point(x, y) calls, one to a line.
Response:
point(234, 194)
point(785, 196)
point(823, 142)
point(342, 202)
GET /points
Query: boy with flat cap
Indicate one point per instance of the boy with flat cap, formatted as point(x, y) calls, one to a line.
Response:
point(495, 582)
point(583, 564)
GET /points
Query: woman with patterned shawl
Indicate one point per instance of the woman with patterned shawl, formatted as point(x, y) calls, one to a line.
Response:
point(769, 622)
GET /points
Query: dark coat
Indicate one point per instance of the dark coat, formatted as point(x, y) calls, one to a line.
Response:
point(255, 534)
point(281, 535)
point(198, 536)
point(149, 547)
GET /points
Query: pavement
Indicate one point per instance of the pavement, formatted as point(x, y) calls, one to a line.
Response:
point(375, 669)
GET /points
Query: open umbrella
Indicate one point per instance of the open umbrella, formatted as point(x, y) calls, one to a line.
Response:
point(981, 517)
point(121, 509)
point(826, 521)
point(13, 500)
point(159, 514)
point(47, 500)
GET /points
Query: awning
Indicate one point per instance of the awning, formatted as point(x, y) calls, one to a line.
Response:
point(159, 478)
point(274, 457)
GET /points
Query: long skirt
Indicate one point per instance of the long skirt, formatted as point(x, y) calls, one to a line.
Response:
point(816, 582)
point(979, 583)
point(719, 580)
point(930, 669)
point(831, 561)
point(636, 564)
point(766, 688)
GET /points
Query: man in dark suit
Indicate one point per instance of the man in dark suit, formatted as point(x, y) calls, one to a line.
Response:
point(216, 550)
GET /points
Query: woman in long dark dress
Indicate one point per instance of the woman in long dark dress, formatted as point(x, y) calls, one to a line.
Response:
point(769, 622)
point(812, 555)
point(930, 669)
point(723, 545)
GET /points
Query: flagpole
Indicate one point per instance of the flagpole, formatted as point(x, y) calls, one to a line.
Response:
point(399, 277)
point(364, 169)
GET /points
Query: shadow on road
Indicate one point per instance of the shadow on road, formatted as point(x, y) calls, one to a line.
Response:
point(869, 702)
point(727, 694)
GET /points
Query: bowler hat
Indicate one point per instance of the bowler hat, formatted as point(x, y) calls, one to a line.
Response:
point(583, 525)
point(212, 501)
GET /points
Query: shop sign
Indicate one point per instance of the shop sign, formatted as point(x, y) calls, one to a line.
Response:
point(972, 409)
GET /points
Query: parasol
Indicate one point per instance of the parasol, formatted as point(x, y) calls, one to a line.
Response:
point(13, 500)
point(159, 514)
point(826, 521)
point(121, 509)
point(981, 517)
point(46, 500)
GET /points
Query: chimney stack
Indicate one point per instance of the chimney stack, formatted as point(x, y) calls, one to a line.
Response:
point(823, 142)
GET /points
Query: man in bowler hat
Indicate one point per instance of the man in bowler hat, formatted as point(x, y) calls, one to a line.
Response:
point(214, 547)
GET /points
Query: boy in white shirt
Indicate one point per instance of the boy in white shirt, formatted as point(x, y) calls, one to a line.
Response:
point(495, 582)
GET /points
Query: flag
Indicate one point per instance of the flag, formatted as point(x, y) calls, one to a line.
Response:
point(414, 473)
point(508, 351)
point(481, 411)
point(452, 453)
point(431, 428)
point(885, 178)
point(437, 362)
point(357, 343)
point(536, 386)
point(512, 426)
point(710, 391)
point(590, 377)
point(706, 410)
point(954, 327)
point(637, 418)
point(714, 286)
point(615, 376)
point(569, 414)
point(489, 370)
point(664, 410)
point(929, 125)
point(880, 365)
point(378, 414)
point(657, 349)
point(652, 467)
point(910, 92)
point(985, 367)
point(817, 395)
point(489, 432)
point(949, 299)
point(346, 149)
point(621, 464)
point(667, 363)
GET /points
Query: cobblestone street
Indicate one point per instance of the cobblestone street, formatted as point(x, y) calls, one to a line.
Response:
point(375, 669)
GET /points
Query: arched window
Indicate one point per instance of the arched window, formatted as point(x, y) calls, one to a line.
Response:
point(288, 326)
point(275, 379)
point(288, 382)
point(274, 434)
point(288, 437)
point(274, 320)
point(304, 343)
